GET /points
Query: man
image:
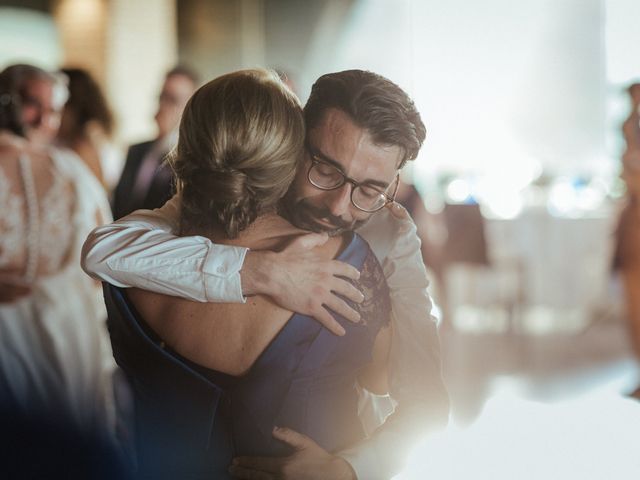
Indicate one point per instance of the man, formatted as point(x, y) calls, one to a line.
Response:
point(42, 97)
point(346, 115)
point(146, 182)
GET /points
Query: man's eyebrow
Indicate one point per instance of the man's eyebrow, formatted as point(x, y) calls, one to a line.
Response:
point(336, 164)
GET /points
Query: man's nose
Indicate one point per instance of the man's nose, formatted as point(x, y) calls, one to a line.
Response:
point(38, 119)
point(339, 201)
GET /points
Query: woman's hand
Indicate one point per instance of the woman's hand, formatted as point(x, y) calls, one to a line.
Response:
point(12, 289)
point(308, 462)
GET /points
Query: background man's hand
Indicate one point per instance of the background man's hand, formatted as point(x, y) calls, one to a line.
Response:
point(308, 462)
point(299, 280)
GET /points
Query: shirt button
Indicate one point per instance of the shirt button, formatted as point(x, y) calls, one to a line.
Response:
point(221, 269)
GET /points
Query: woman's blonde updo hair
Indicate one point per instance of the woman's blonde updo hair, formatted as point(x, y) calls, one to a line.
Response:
point(241, 139)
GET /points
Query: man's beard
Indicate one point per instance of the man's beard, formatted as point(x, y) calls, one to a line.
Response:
point(303, 214)
point(38, 138)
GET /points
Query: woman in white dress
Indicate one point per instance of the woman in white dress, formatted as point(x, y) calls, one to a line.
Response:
point(87, 126)
point(54, 350)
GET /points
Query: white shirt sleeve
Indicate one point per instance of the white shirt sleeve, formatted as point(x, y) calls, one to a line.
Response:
point(141, 250)
point(416, 385)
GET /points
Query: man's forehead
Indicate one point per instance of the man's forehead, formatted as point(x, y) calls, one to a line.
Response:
point(335, 120)
point(46, 92)
point(38, 86)
point(338, 137)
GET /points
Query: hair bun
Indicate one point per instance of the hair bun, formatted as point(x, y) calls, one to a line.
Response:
point(229, 199)
point(241, 136)
point(222, 186)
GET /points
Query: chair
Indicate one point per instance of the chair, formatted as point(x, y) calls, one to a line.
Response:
point(466, 245)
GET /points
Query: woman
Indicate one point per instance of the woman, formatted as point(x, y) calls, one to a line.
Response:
point(87, 125)
point(211, 381)
point(54, 354)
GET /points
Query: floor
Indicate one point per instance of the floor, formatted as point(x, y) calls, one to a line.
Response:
point(545, 367)
point(536, 403)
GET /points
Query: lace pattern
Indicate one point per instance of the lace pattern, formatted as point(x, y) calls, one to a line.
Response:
point(376, 306)
point(55, 229)
point(36, 224)
point(12, 227)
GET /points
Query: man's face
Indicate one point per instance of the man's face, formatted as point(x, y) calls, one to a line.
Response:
point(176, 91)
point(40, 114)
point(338, 141)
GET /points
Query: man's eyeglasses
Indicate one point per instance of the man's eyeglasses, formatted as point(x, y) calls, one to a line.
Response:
point(365, 197)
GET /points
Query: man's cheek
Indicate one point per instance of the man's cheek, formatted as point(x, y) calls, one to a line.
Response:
point(29, 115)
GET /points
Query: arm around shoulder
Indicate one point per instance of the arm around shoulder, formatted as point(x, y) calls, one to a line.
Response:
point(143, 250)
point(114, 241)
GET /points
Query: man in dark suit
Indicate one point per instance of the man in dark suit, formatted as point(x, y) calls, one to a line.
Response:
point(146, 182)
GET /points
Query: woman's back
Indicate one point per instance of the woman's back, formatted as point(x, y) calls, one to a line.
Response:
point(229, 340)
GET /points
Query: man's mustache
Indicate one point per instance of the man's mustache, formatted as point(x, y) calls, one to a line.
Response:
point(325, 215)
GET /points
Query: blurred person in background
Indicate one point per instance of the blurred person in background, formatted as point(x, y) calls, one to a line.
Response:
point(146, 182)
point(54, 352)
point(87, 124)
point(627, 255)
point(427, 224)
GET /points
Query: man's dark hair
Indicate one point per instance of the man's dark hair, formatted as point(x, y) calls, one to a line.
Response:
point(10, 104)
point(184, 71)
point(373, 103)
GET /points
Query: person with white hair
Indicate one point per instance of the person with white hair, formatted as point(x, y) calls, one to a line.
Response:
point(55, 358)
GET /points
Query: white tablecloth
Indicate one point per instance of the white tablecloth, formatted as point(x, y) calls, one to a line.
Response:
point(565, 261)
point(544, 270)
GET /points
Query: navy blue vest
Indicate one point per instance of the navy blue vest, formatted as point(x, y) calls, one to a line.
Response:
point(191, 421)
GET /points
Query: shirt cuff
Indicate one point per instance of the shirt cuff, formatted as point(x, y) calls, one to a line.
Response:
point(363, 461)
point(221, 270)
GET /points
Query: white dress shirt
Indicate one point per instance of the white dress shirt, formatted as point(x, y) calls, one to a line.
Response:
point(141, 250)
